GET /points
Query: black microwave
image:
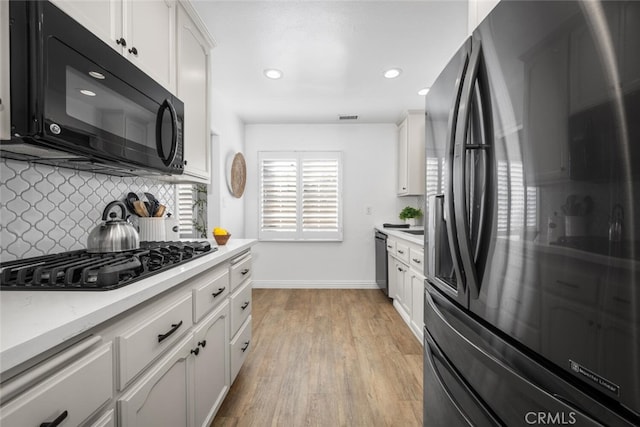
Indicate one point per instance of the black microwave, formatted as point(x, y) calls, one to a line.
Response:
point(76, 102)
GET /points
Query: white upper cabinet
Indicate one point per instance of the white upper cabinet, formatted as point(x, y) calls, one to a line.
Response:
point(193, 54)
point(142, 30)
point(103, 18)
point(411, 158)
point(150, 34)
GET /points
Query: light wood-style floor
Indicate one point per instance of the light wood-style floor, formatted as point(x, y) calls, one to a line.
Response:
point(326, 358)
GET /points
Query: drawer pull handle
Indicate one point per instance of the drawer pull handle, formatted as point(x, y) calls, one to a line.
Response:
point(417, 261)
point(202, 343)
point(174, 327)
point(220, 290)
point(245, 305)
point(245, 271)
point(246, 346)
point(400, 252)
point(195, 351)
point(57, 421)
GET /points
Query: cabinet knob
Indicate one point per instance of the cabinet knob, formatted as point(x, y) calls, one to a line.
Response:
point(133, 51)
point(202, 343)
point(195, 351)
point(122, 42)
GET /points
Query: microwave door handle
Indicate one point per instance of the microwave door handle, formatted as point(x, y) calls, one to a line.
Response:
point(167, 158)
point(460, 176)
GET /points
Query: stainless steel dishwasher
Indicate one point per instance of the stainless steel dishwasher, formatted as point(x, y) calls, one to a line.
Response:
point(382, 269)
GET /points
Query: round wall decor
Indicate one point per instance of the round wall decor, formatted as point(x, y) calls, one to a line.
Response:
point(237, 175)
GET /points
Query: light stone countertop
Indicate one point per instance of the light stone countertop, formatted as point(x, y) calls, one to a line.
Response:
point(399, 234)
point(32, 322)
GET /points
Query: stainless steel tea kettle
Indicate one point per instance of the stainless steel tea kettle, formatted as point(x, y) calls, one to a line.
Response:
point(114, 234)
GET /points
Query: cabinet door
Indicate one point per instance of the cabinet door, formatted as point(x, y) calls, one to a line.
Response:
point(161, 397)
point(547, 79)
point(150, 34)
point(103, 18)
point(193, 90)
point(400, 277)
point(211, 365)
point(407, 294)
point(417, 306)
point(393, 277)
point(403, 167)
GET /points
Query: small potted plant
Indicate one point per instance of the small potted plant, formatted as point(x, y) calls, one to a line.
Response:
point(410, 215)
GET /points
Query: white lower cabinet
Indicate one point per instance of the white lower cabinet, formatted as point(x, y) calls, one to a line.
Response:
point(211, 367)
point(168, 362)
point(406, 283)
point(161, 397)
point(70, 396)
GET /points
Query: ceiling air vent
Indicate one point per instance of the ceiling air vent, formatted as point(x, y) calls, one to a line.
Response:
point(348, 117)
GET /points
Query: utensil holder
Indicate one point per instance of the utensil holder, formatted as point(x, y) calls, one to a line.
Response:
point(152, 229)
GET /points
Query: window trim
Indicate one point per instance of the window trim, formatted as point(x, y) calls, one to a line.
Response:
point(300, 235)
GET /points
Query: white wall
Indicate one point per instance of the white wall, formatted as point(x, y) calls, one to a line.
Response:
point(225, 210)
point(369, 181)
point(478, 10)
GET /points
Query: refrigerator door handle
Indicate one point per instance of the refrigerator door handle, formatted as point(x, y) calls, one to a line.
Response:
point(448, 204)
point(460, 175)
point(432, 352)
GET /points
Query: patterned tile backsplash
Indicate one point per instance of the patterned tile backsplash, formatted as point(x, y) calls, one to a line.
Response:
point(47, 210)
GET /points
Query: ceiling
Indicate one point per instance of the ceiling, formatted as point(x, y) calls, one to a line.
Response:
point(333, 55)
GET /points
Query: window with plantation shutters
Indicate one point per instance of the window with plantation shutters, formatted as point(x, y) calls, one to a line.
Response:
point(300, 196)
point(186, 196)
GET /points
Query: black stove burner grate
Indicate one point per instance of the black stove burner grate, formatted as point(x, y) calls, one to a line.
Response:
point(80, 270)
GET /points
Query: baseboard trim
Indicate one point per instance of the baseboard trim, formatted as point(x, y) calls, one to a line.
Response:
point(314, 284)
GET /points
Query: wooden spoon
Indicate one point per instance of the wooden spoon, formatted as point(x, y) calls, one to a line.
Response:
point(141, 209)
point(160, 211)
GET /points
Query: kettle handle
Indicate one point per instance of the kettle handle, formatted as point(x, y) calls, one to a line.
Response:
point(118, 203)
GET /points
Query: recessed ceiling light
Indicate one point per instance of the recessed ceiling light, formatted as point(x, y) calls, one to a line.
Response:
point(392, 73)
point(87, 92)
point(272, 73)
point(96, 75)
point(423, 91)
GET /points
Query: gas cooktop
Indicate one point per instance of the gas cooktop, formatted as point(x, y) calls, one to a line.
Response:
point(84, 271)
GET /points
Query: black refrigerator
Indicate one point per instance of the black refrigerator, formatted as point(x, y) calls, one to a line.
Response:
point(532, 296)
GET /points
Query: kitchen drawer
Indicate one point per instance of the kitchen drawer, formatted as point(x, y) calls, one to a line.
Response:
point(240, 270)
point(402, 252)
point(416, 260)
point(79, 389)
point(138, 346)
point(240, 347)
point(240, 306)
point(209, 289)
point(391, 246)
